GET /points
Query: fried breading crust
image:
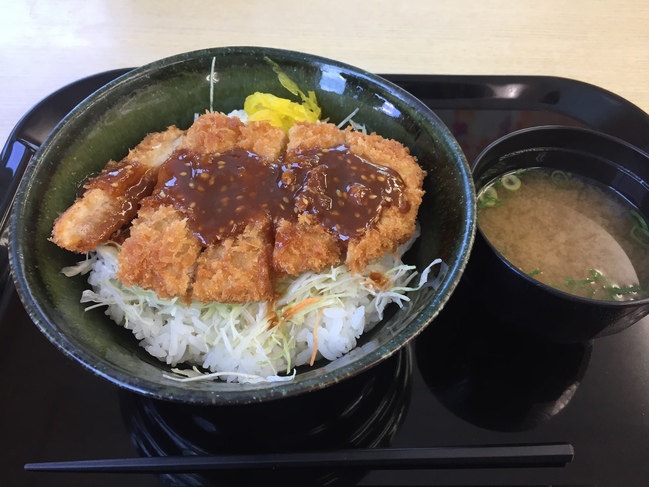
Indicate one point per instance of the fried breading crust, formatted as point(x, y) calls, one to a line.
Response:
point(239, 269)
point(160, 253)
point(304, 246)
point(304, 136)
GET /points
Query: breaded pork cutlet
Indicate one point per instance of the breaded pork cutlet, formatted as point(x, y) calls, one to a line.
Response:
point(236, 205)
point(111, 199)
point(394, 227)
point(232, 269)
point(304, 244)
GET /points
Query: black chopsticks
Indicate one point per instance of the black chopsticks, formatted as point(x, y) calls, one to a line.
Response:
point(489, 456)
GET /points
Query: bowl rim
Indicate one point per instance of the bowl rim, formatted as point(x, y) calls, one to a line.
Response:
point(496, 147)
point(146, 387)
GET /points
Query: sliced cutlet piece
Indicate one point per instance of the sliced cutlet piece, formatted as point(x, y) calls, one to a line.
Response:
point(393, 227)
point(303, 244)
point(213, 132)
point(111, 199)
point(160, 253)
point(304, 136)
point(263, 139)
point(237, 270)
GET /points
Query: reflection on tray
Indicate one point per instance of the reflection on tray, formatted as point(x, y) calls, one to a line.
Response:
point(492, 376)
point(362, 412)
point(476, 129)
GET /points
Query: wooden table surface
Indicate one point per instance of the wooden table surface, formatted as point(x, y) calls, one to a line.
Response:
point(46, 44)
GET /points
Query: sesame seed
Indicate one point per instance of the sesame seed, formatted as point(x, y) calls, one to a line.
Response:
point(339, 193)
point(184, 173)
point(224, 201)
point(388, 199)
point(341, 203)
point(295, 209)
point(205, 175)
point(114, 185)
point(285, 199)
point(240, 197)
point(363, 177)
point(239, 209)
point(282, 206)
point(192, 184)
point(201, 188)
point(372, 196)
point(335, 213)
point(357, 214)
point(381, 178)
point(224, 188)
point(193, 205)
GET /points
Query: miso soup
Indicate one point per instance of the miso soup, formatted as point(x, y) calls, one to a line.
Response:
point(569, 232)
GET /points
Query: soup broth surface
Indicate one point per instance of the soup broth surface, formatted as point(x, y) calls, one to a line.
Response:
point(569, 232)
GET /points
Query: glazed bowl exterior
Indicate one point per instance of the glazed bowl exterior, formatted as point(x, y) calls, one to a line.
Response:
point(520, 300)
point(172, 91)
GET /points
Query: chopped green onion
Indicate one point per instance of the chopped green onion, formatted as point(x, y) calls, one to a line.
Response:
point(511, 182)
point(489, 197)
point(560, 178)
point(640, 230)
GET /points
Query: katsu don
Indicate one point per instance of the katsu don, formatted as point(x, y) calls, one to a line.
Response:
point(222, 210)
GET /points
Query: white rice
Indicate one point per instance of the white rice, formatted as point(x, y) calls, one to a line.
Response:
point(243, 343)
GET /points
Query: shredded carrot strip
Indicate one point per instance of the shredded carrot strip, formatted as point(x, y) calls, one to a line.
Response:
point(315, 338)
point(293, 310)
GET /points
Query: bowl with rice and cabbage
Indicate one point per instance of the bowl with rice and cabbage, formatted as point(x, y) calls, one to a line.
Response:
point(236, 225)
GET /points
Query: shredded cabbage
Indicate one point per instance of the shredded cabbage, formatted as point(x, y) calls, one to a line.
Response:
point(253, 342)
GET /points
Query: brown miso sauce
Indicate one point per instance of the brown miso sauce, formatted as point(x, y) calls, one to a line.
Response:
point(221, 193)
point(128, 182)
point(347, 193)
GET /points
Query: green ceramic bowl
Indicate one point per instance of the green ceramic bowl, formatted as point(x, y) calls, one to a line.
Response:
point(171, 91)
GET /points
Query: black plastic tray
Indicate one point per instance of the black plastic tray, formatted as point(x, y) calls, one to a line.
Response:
point(464, 381)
